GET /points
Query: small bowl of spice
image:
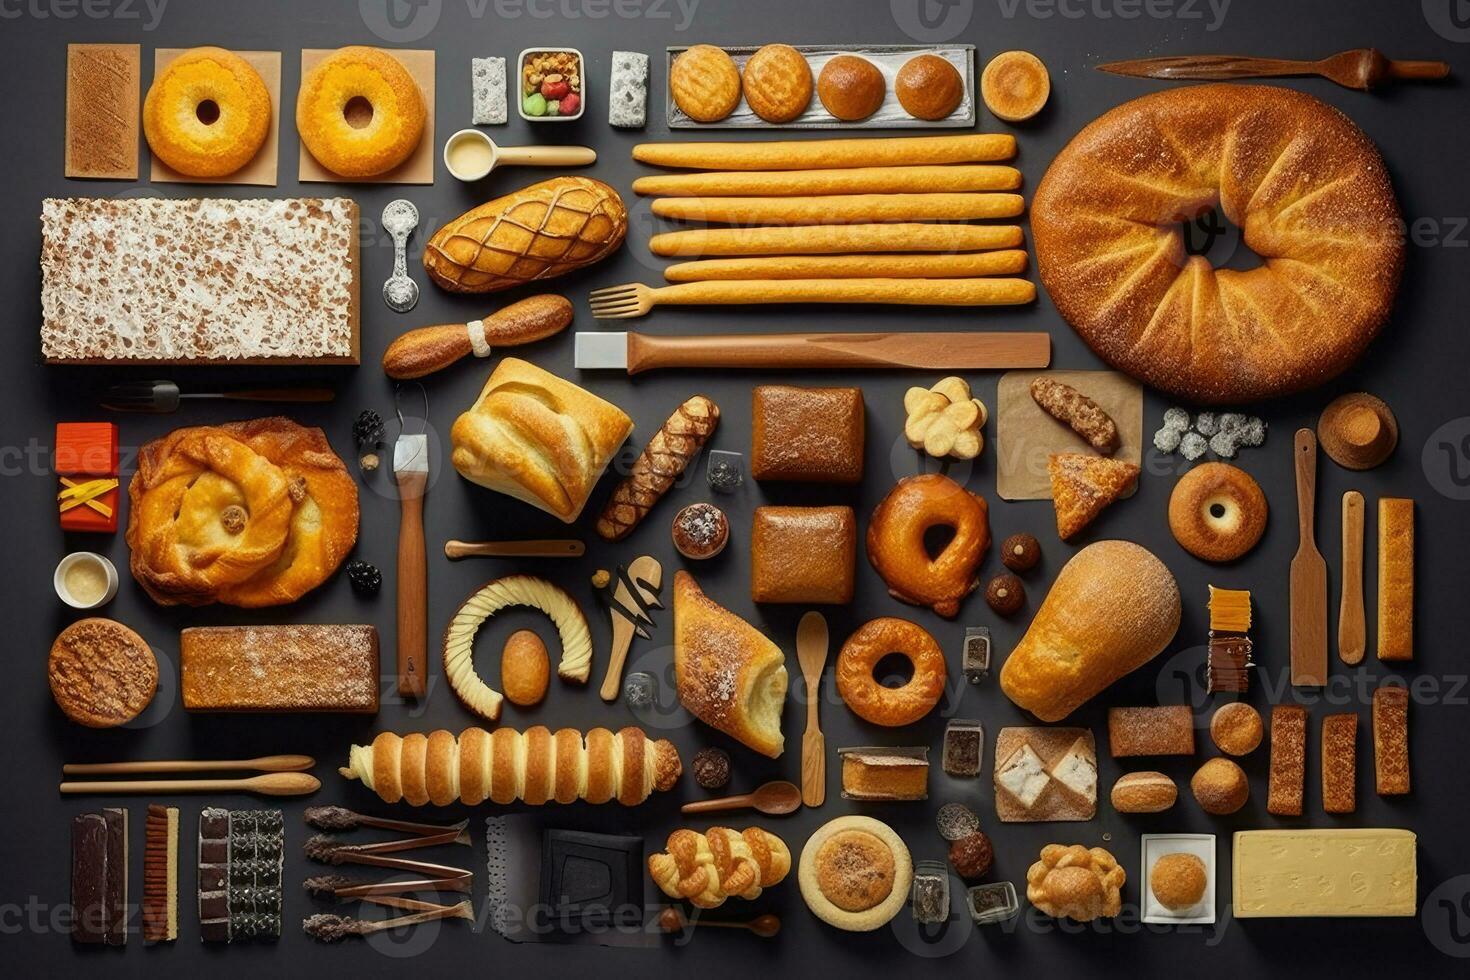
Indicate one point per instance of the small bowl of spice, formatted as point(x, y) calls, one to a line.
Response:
point(701, 531)
point(552, 85)
point(85, 580)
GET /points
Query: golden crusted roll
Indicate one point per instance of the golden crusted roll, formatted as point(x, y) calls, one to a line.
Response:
point(544, 230)
point(535, 766)
point(720, 863)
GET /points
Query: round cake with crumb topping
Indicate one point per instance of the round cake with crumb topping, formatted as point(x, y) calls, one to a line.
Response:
point(855, 873)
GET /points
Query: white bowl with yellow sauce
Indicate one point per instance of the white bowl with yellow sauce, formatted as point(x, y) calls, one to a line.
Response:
point(85, 580)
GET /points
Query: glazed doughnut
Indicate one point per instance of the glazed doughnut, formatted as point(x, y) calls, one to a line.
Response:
point(890, 706)
point(896, 542)
point(207, 114)
point(360, 113)
point(1217, 512)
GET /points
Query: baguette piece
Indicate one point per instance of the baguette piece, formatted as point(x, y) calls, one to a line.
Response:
point(1395, 578)
point(840, 209)
point(827, 154)
point(1006, 262)
point(1339, 763)
point(299, 668)
point(535, 766)
point(1287, 783)
point(1391, 739)
point(1164, 730)
point(832, 239)
point(858, 180)
point(677, 442)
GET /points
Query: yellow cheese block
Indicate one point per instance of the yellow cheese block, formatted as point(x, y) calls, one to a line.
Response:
point(1293, 873)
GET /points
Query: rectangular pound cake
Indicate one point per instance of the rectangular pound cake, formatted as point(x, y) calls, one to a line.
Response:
point(1164, 730)
point(152, 281)
point(315, 668)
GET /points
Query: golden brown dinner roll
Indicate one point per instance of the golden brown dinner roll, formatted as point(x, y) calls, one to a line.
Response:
point(705, 83)
point(1178, 881)
point(1144, 792)
point(778, 83)
point(1237, 728)
point(1220, 787)
point(928, 87)
point(851, 88)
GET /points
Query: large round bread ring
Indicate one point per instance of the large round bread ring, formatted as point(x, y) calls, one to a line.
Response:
point(890, 706)
point(1301, 181)
point(493, 596)
point(896, 541)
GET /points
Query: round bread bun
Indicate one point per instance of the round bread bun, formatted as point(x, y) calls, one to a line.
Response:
point(891, 707)
point(1220, 787)
point(1237, 728)
point(1217, 512)
point(855, 873)
point(705, 83)
point(851, 88)
point(102, 674)
point(1144, 792)
point(207, 113)
point(1015, 85)
point(359, 112)
point(1178, 881)
point(777, 83)
point(525, 668)
point(929, 87)
point(1304, 185)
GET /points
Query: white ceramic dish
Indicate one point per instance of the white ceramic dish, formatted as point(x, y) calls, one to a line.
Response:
point(1155, 846)
point(520, 73)
point(58, 580)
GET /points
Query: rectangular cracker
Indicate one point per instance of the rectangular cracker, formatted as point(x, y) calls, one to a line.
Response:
point(1395, 578)
point(102, 105)
point(1340, 763)
point(1288, 778)
point(1391, 739)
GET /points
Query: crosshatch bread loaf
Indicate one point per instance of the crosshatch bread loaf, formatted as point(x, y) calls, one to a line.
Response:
point(1309, 193)
point(541, 231)
point(537, 438)
point(1113, 607)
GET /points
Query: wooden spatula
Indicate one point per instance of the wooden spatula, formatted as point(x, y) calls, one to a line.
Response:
point(1308, 576)
point(811, 651)
point(1352, 630)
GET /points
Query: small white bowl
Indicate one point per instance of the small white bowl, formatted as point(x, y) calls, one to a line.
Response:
point(469, 136)
point(521, 73)
point(77, 557)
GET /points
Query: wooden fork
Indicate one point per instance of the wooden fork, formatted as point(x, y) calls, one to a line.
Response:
point(635, 299)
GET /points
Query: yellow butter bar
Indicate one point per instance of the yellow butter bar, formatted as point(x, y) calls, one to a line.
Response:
point(1295, 873)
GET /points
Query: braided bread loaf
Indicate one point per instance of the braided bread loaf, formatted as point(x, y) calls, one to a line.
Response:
point(710, 867)
point(534, 766)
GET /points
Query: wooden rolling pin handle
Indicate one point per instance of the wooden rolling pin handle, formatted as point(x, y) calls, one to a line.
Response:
point(1418, 69)
point(819, 351)
point(1306, 482)
point(413, 587)
point(548, 548)
point(719, 806)
point(545, 156)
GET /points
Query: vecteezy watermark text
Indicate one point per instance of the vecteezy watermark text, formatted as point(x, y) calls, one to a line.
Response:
point(150, 12)
point(406, 21)
point(1211, 11)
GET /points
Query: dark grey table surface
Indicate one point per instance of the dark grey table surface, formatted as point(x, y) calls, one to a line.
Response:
point(1418, 365)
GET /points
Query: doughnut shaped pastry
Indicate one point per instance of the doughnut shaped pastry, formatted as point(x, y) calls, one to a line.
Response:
point(1304, 185)
point(535, 766)
point(207, 114)
point(896, 541)
point(493, 596)
point(890, 706)
point(1217, 512)
point(720, 863)
point(331, 122)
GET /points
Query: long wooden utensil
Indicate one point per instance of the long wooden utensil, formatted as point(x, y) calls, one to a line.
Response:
point(969, 351)
point(773, 799)
point(635, 299)
point(644, 568)
point(541, 548)
point(1308, 576)
point(673, 919)
point(1352, 629)
point(1360, 68)
point(811, 652)
point(411, 471)
point(265, 763)
point(270, 784)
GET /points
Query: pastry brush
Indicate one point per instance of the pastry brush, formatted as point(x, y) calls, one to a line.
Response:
point(411, 471)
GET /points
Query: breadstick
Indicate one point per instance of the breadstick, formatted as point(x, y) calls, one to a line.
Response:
point(904, 292)
point(819, 154)
point(832, 239)
point(839, 208)
point(1008, 262)
point(673, 446)
point(863, 180)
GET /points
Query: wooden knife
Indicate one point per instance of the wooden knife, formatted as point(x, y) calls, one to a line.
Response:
point(1352, 629)
point(1308, 576)
point(1361, 68)
point(968, 351)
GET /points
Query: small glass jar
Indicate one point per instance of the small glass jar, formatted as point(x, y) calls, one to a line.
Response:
point(964, 743)
point(976, 659)
point(992, 902)
point(929, 894)
point(724, 471)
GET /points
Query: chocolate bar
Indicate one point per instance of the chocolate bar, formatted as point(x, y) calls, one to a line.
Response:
point(89, 878)
point(161, 874)
point(257, 853)
point(214, 870)
point(1228, 660)
point(115, 932)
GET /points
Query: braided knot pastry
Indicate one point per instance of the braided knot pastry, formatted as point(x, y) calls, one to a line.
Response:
point(710, 867)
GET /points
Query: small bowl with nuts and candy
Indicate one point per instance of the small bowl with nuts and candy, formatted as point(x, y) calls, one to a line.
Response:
point(552, 85)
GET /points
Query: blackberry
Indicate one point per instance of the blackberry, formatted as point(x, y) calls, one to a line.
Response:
point(365, 577)
point(368, 432)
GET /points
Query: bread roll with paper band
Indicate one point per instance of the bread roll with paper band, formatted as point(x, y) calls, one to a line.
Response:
point(1113, 607)
point(842, 209)
point(895, 151)
point(1008, 262)
point(535, 766)
point(861, 180)
point(834, 239)
point(429, 349)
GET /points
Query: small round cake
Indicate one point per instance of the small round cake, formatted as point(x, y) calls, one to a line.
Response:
point(704, 83)
point(207, 113)
point(701, 531)
point(851, 88)
point(102, 674)
point(855, 873)
point(1237, 728)
point(778, 83)
point(1220, 787)
point(360, 113)
point(1178, 881)
point(929, 87)
point(1217, 512)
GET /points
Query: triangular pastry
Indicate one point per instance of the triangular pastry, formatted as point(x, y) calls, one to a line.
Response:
point(1083, 485)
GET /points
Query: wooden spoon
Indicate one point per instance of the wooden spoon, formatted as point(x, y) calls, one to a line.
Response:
point(270, 784)
point(811, 651)
point(673, 919)
point(1352, 630)
point(266, 763)
point(773, 799)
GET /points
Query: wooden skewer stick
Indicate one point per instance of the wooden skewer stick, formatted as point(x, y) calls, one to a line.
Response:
point(545, 548)
point(270, 784)
point(265, 763)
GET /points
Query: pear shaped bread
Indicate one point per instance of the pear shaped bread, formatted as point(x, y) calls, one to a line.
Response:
point(729, 675)
point(1112, 609)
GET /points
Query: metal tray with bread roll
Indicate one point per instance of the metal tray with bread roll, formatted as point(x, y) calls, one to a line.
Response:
point(888, 58)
